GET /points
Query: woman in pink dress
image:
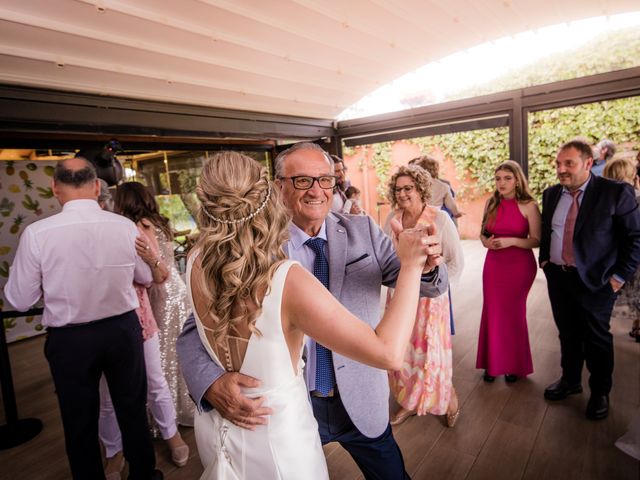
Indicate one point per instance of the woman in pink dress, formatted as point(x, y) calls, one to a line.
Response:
point(510, 230)
point(424, 383)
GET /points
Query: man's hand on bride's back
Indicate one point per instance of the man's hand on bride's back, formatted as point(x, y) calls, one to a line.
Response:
point(226, 396)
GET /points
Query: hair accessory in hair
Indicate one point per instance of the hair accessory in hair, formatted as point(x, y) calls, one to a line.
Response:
point(243, 219)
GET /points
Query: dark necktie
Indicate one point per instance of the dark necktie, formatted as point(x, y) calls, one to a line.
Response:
point(569, 228)
point(325, 377)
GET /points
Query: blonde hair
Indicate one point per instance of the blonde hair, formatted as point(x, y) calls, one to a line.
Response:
point(237, 258)
point(523, 194)
point(420, 177)
point(620, 169)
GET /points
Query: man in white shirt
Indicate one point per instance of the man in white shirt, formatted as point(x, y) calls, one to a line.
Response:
point(83, 262)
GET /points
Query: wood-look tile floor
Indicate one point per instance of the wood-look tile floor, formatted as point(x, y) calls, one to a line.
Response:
point(505, 431)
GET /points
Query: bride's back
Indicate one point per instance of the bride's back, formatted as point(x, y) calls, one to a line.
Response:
point(236, 278)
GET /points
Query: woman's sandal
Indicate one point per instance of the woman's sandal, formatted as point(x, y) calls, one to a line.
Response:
point(402, 416)
point(452, 418)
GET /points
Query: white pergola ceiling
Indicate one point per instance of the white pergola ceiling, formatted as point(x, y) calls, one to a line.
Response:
point(295, 57)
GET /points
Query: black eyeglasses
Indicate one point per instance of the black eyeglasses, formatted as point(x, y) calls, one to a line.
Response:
point(406, 189)
point(303, 182)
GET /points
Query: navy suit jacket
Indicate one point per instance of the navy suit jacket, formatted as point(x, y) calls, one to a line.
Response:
point(606, 239)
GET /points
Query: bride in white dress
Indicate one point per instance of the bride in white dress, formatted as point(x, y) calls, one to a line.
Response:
point(253, 308)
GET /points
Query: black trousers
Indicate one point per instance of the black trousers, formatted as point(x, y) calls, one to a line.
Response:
point(582, 318)
point(78, 356)
point(378, 458)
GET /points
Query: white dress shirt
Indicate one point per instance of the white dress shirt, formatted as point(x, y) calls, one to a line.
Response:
point(82, 260)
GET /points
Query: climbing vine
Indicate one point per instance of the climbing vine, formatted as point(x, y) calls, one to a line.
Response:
point(475, 155)
point(382, 166)
point(618, 120)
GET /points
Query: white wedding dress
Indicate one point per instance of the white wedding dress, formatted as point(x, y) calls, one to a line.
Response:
point(289, 446)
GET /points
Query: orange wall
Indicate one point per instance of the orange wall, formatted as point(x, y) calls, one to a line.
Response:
point(362, 175)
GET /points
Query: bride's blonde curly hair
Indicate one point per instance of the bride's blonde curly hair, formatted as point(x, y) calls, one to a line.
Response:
point(239, 249)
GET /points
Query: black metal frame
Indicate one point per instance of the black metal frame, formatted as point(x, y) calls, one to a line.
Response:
point(15, 431)
point(26, 109)
point(52, 113)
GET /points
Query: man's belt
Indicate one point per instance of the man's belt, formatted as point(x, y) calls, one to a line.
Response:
point(565, 268)
point(332, 393)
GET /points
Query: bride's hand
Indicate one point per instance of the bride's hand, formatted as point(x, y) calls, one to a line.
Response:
point(225, 395)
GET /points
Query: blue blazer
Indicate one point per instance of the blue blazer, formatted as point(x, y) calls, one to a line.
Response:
point(606, 239)
point(361, 259)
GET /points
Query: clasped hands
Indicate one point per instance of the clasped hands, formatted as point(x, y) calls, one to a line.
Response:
point(429, 241)
point(494, 243)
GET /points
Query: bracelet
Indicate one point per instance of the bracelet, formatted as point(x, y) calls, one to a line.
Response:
point(155, 265)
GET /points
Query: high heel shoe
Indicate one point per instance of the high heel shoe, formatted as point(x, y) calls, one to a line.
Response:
point(452, 418)
point(180, 455)
point(511, 378)
point(488, 378)
point(401, 416)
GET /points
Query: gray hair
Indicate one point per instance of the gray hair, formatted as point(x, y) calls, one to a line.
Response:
point(609, 145)
point(105, 200)
point(282, 156)
point(75, 178)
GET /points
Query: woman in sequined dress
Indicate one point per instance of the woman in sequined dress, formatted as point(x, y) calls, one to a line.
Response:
point(169, 300)
point(159, 398)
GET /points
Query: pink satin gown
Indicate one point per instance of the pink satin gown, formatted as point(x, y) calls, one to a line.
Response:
point(503, 344)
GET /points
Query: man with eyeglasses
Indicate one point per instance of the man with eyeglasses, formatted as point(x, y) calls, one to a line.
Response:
point(350, 400)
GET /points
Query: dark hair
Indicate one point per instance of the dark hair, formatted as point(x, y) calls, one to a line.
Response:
point(581, 146)
point(135, 201)
point(74, 178)
point(337, 159)
point(351, 191)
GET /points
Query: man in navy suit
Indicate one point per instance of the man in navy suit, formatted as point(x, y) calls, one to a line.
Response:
point(590, 246)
